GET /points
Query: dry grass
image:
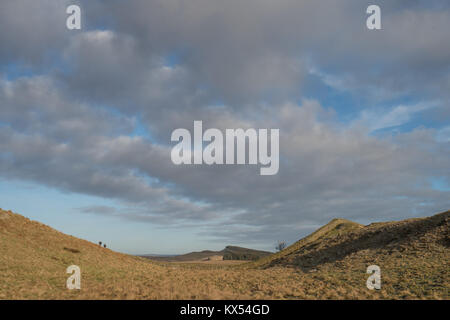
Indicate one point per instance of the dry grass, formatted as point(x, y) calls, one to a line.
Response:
point(34, 257)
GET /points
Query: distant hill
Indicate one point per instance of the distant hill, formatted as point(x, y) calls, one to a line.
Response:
point(229, 253)
point(238, 253)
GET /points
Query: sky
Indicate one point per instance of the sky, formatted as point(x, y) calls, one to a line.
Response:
point(86, 117)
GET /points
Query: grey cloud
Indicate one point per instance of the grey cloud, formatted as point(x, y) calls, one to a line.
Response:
point(327, 171)
point(242, 51)
point(32, 31)
point(241, 64)
point(255, 49)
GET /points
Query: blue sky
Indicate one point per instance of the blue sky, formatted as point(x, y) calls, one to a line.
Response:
point(86, 117)
point(59, 210)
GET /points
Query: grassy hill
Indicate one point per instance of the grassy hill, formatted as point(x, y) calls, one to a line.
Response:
point(239, 253)
point(336, 227)
point(330, 263)
point(34, 258)
point(413, 254)
point(342, 239)
point(229, 253)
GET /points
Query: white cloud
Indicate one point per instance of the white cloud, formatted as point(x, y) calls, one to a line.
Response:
point(396, 116)
point(71, 127)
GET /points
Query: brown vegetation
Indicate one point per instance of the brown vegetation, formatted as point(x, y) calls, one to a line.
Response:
point(330, 263)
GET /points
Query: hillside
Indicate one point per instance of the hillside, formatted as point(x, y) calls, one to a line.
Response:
point(335, 227)
point(34, 258)
point(329, 264)
point(239, 253)
point(229, 253)
point(413, 254)
point(342, 239)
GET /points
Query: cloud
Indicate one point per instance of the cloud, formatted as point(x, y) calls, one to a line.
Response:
point(32, 31)
point(95, 113)
point(327, 170)
point(240, 53)
point(396, 116)
point(443, 135)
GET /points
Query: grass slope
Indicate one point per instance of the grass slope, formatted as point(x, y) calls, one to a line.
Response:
point(333, 228)
point(330, 263)
point(342, 239)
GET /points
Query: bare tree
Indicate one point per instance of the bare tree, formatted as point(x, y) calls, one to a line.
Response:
point(280, 245)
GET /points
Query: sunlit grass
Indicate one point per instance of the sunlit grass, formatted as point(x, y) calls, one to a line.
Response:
point(33, 263)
